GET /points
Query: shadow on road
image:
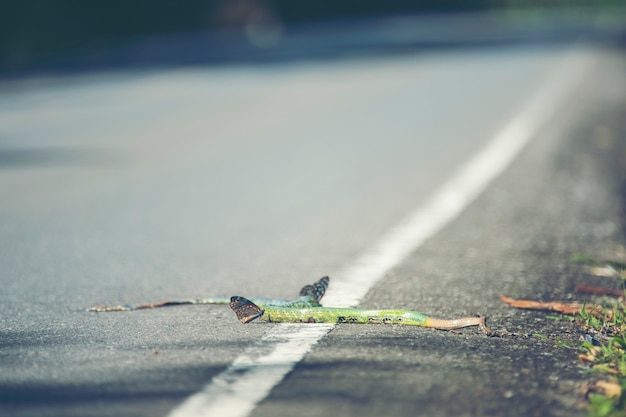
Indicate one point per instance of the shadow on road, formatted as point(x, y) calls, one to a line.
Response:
point(44, 157)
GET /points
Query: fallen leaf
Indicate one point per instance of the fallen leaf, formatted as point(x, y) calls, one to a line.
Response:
point(604, 271)
point(590, 356)
point(593, 289)
point(607, 388)
point(565, 308)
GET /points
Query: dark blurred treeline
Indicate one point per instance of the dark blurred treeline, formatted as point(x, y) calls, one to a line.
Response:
point(32, 31)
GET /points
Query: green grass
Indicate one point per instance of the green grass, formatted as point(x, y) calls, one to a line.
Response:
point(581, 258)
point(609, 359)
point(603, 406)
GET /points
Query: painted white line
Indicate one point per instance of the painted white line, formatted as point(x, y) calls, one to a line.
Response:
point(244, 384)
point(250, 378)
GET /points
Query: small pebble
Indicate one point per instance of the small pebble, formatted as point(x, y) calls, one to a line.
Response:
point(592, 340)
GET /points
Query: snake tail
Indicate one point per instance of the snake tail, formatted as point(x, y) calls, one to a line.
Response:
point(453, 324)
point(128, 307)
point(310, 296)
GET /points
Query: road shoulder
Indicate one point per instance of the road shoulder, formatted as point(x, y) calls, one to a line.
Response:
point(562, 196)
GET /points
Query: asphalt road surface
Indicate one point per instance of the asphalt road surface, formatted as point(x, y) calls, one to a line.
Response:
point(131, 187)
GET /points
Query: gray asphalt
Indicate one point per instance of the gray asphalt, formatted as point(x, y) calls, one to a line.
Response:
point(134, 187)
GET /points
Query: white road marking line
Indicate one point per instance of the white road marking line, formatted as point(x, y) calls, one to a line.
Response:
point(251, 377)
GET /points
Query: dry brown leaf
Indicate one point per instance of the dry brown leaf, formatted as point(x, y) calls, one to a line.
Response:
point(591, 355)
point(607, 388)
point(593, 289)
point(565, 308)
point(559, 307)
point(587, 357)
point(604, 271)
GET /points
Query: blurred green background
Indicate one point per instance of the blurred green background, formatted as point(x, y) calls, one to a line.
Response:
point(36, 32)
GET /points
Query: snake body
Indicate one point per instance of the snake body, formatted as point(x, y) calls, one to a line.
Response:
point(307, 309)
point(247, 311)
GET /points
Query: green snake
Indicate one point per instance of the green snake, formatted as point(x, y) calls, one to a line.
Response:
point(247, 311)
point(307, 309)
point(310, 296)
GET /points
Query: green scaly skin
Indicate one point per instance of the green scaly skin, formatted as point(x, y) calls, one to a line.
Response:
point(343, 315)
point(247, 311)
